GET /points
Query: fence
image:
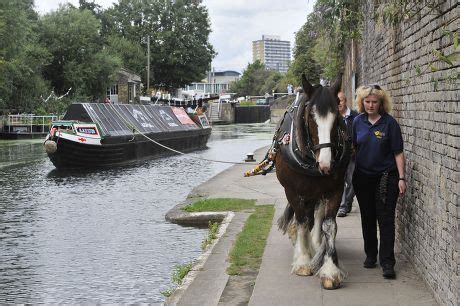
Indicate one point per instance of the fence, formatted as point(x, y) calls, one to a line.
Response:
point(26, 123)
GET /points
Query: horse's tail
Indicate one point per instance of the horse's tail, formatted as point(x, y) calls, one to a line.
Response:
point(286, 218)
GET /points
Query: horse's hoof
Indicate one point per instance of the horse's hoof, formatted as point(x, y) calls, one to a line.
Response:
point(303, 271)
point(330, 283)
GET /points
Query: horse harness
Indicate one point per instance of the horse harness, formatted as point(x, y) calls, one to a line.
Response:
point(284, 142)
point(307, 164)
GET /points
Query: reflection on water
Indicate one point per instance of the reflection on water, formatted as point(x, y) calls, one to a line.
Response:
point(100, 236)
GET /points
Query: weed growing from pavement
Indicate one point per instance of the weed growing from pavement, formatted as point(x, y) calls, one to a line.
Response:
point(180, 271)
point(213, 229)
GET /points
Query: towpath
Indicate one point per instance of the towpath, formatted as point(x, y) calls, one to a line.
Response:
point(275, 285)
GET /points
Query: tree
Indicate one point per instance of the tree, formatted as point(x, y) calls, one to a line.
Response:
point(256, 80)
point(96, 9)
point(178, 31)
point(320, 42)
point(79, 60)
point(304, 61)
point(21, 57)
point(328, 56)
point(131, 53)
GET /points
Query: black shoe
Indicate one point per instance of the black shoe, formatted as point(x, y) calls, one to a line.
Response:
point(370, 263)
point(341, 214)
point(389, 272)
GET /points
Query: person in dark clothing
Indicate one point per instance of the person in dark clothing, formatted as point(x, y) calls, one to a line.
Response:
point(348, 193)
point(379, 173)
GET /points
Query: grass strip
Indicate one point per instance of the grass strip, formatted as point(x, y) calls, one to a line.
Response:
point(220, 204)
point(250, 243)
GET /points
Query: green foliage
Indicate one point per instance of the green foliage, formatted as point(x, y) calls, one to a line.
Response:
point(320, 42)
point(250, 243)
point(394, 12)
point(326, 54)
point(304, 62)
point(213, 229)
point(131, 53)
point(180, 271)
point(178, 31)
point(79, 60)
point(178, 274)
point(167, 292)
point(342, 20)
point(83, 48)
point(220, 204)
point(271, 83)
point(256, 80)
point(21, 57)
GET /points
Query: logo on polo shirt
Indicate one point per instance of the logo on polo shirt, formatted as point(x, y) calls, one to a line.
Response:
point(379, 134)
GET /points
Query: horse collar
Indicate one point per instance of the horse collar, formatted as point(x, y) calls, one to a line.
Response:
point(307, 164)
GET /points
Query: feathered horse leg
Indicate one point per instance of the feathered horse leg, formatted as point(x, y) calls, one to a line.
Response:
point(330, 273)
point(300, 233)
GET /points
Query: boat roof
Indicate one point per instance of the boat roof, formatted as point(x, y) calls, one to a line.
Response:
point(119, 119)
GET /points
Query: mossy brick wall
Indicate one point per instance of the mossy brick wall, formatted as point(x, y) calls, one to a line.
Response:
point(426, 105)
point(123, 93)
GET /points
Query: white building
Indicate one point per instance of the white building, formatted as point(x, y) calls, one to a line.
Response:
point(217, 82)
point(273, 52)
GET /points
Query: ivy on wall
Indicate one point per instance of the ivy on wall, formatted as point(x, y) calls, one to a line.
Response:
point(392, 13)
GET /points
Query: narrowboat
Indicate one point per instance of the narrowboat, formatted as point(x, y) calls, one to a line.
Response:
point(94, 135)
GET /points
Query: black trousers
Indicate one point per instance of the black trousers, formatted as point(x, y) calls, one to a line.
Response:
point(377, 198)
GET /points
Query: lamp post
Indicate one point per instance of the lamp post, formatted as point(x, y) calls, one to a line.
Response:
point(148, 64)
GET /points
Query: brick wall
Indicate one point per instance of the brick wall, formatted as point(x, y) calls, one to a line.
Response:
point(426, 105)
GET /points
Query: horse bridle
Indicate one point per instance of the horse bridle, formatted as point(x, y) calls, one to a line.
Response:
point(313, 148)
point(300, 155)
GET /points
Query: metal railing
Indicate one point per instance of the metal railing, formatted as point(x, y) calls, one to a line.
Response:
point(13, 123)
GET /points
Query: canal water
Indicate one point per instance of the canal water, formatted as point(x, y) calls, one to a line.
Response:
point(100, 236)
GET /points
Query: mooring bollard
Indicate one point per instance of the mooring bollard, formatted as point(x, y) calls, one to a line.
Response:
point(250, 157)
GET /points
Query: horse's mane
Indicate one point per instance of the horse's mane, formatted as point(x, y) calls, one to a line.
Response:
point(324, 100)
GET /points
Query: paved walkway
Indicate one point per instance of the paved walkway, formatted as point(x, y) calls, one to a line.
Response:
point(275, 285)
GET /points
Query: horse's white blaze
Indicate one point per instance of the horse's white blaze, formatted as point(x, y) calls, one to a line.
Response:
point(324, 134)
point(302, 256)
point(316, 230)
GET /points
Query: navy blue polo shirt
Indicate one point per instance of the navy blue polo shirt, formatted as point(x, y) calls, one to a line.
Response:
point(376, 145)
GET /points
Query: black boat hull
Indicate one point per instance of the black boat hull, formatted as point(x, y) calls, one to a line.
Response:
point(113, 152)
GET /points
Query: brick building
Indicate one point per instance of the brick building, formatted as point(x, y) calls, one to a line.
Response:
point(127, 89)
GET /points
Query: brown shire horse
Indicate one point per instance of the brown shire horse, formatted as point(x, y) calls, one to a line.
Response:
point(311, 166)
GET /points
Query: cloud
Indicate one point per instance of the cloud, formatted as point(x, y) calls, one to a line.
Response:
point(236, 23)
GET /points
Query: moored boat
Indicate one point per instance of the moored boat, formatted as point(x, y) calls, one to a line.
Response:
point(101, 135)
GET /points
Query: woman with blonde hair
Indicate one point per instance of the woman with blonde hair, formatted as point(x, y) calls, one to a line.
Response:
point(379, 173)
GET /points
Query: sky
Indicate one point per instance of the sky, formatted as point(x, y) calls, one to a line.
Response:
point(235, 24)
